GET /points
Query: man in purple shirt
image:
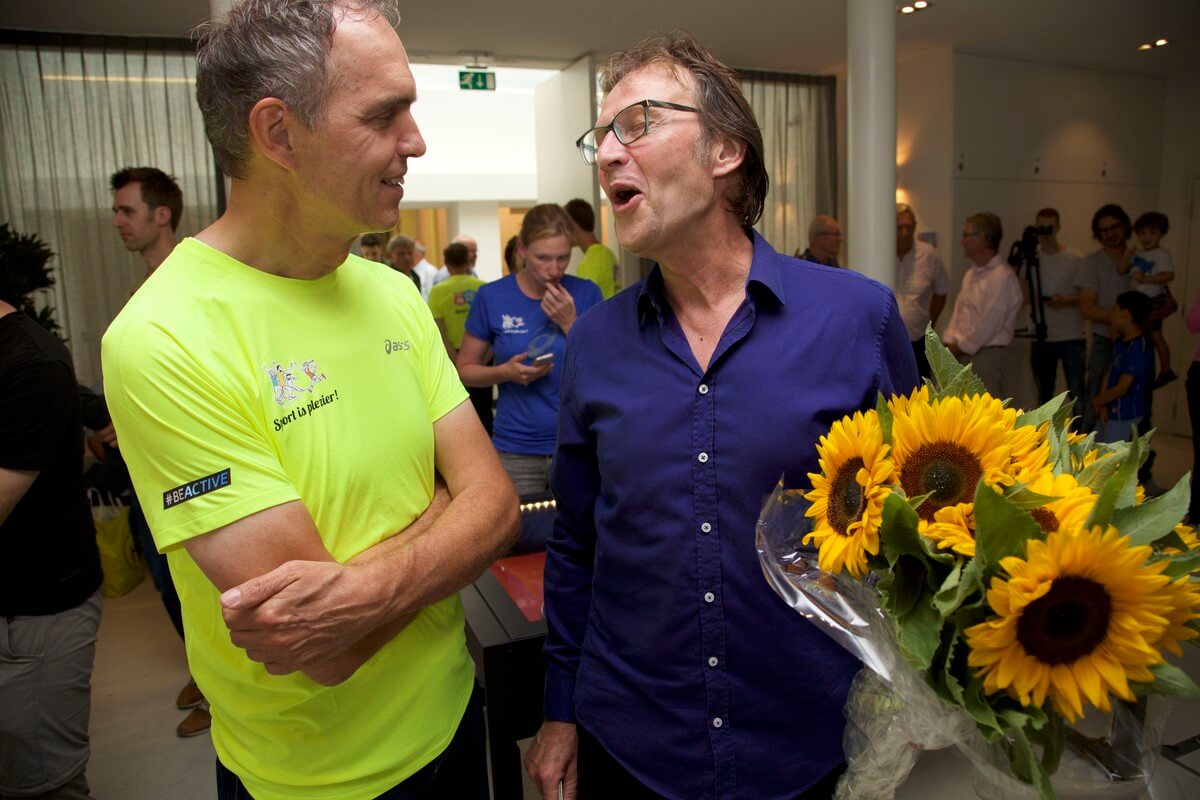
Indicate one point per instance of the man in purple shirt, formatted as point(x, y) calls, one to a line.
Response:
point(672, 668)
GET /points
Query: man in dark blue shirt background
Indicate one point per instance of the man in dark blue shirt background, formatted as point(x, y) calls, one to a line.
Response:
point(673, 670)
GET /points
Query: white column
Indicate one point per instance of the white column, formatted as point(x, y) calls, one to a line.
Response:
point(871, 124)
point(481, 221)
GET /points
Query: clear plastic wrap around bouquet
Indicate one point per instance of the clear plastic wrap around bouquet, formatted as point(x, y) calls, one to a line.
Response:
point(1009, 586)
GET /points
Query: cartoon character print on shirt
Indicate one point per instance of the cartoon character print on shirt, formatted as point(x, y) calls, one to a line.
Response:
point(512, 324)
point(286, 388)
point(464, 298)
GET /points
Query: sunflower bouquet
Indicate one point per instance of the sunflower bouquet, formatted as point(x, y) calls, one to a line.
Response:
point(1006, 581)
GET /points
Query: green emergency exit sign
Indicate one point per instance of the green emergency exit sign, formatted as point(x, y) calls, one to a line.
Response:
point(476, 81)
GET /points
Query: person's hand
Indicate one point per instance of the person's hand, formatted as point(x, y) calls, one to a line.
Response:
point(299, 614)
point(559, 306)
point(517, 371)
point(553, 758)
point(108, 435)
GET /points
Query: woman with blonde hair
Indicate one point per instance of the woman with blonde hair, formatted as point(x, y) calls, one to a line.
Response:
point(524, 318)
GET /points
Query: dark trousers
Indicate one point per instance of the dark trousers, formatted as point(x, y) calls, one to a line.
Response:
point(481, 399)
point(1045, 357)
point(601, 777)
point(923, 369)
point(460, 771)
point(156, 564)
point(1192, 384)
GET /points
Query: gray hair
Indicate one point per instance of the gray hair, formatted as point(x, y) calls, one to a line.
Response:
point(989, 227)
point(268, 48)
point(817, 226)
point(399, 242)
point(905, 208)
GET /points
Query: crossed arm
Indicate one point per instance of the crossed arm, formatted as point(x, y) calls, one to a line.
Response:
point(290, 606)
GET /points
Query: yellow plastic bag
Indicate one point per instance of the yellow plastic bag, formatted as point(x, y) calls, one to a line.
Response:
point(122, 564)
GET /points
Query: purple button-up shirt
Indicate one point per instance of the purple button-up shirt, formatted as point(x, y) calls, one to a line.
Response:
point(665, 640)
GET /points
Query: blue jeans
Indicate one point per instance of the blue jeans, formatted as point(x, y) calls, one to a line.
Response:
point(1119, 430)
point(1045, 357)
point(460, 771)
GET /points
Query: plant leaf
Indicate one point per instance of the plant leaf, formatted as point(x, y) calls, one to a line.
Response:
point(885, 417)
point(1169, 680)
point(900, 522)
point(1156, 517)
point(1182, 564)
point(966, 581)
point(1102, 513)
point(902, 585)
point(1001, 528)
point(1044, 413)
point(919, 633)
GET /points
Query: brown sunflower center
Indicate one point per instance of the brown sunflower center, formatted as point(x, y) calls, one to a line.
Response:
point(948, 470)
point(846, 499)
point(1046, 519)
point(1067, 622)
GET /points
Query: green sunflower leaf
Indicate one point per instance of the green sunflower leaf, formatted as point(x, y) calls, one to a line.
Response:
point(899, 529)
point(902, 585)
point(978, 708)
point(919, 633)
point(1021, 497)
point(1001, 528)
point(1028, 767)
point(942, 363)
point(948, 687)
point(965, 384)
point(1180, 565)
point(1044, 413)
point(1060, 450)
point(1156, 517)
point(1115, 487)
point(885, 417)
point(1168, 680)
point(1062, 416)
point(1096, 474)
point(958, 586)
point(1052, 738)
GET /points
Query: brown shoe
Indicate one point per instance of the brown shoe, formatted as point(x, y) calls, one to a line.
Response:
point(190, 696)
point(195, 723)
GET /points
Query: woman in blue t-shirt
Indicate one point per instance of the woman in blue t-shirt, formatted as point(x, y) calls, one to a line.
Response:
point(524, 318)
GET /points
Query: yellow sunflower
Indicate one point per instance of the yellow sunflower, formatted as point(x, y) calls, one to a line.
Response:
point(1183, 606)
point(848, 495)
point(953, 528)
point(901, 403)
point(1076, 620)
point(946, 447)
point(1030, 449)
point(1071, 505)
point(1188, 535)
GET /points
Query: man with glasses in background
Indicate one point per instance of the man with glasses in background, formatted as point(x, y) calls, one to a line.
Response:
point(684, 399)
point(1102, 277)
point(824, 241)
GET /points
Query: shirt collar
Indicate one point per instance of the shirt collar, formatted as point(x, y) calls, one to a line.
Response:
point(765, 271)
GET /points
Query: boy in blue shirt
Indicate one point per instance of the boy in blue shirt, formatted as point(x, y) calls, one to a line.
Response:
point(1122, 405)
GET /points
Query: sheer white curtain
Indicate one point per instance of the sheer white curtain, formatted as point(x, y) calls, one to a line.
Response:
point(73, 110)
point(797, 117)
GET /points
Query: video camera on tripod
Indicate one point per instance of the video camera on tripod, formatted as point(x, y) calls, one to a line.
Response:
point(1024, 253)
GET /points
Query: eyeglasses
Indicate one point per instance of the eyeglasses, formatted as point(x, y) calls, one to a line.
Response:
point(630, 124)
point(1116, 226)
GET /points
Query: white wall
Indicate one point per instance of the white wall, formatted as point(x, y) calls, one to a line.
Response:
point(481, 221)
point(1180, 171)
point(925, 142)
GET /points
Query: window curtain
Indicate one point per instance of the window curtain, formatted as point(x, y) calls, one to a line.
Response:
point(74, 110)
point(797, 117)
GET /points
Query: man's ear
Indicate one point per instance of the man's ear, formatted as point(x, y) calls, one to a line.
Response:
point(726, 154)
point(271, 126)
point(161, 216)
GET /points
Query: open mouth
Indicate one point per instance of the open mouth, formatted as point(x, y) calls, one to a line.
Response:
point(623, 196)
point(394, 183)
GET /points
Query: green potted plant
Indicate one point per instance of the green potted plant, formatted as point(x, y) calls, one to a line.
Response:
point(25, 271)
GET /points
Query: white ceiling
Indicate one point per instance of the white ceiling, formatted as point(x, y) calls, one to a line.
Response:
point(785, 35)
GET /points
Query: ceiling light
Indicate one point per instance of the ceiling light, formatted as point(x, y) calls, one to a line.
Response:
point(907, 10)
point(920, 4)
point(1161, 43)
point(1145, 46)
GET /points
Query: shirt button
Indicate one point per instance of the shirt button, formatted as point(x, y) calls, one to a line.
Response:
point(706, 527)
point(703, 457)
point(712, 661)
point(709, 597)
point(717, 722)
point(704, 388)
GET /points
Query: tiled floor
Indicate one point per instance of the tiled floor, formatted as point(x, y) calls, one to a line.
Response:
point(140, 668)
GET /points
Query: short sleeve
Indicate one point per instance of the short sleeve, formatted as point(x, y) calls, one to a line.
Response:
point(1085, 276)
point(587, 295)
point(477, 319)
point(1164, 263)
point(443, 388)
point(35, 411)
point(435, 303)
point(197, 458)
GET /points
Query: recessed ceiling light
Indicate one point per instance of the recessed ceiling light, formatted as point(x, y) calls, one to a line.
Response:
point(1145, 46)
point(1161, 43)
point(907, 10)
point(920, 4)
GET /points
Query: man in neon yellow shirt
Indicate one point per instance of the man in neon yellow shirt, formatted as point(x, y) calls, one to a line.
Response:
point(450, 301)
point(289, 407)
point(599, 265)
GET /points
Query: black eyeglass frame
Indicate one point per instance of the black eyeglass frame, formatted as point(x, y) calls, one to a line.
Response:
point(602, 130)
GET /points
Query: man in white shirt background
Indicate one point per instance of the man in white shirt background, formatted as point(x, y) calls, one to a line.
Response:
point(1065, 341)
point(921, 283)
point(423, 269)
point(985, 313)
